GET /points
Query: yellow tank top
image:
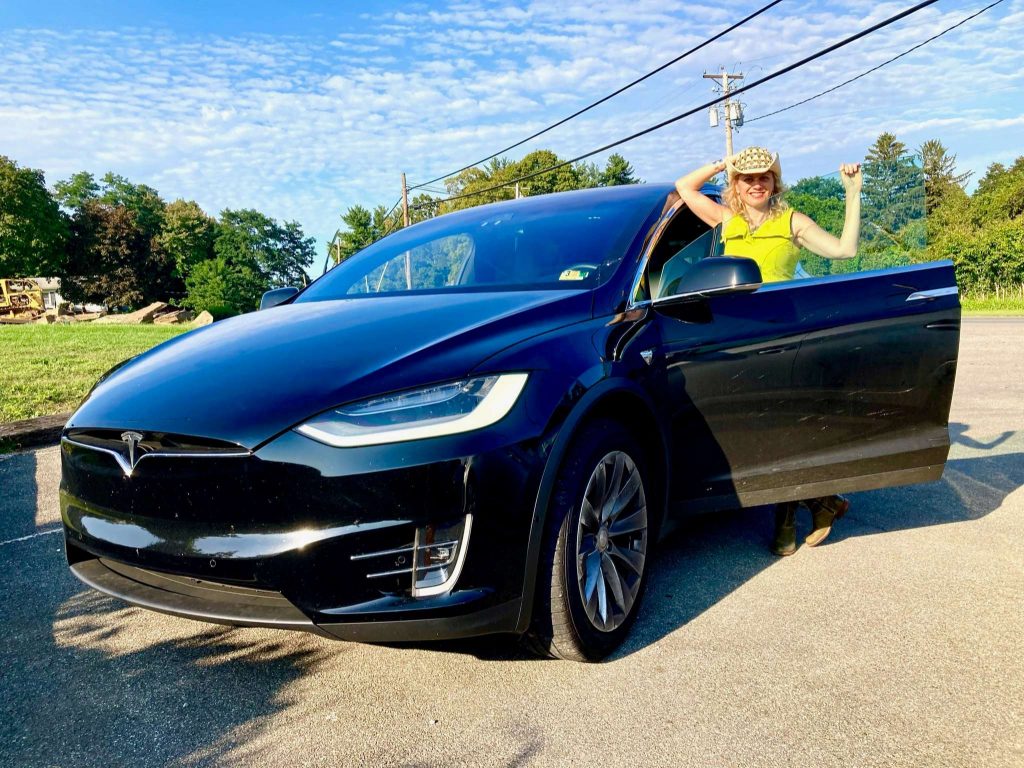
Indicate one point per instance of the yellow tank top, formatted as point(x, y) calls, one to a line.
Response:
point(770, 245)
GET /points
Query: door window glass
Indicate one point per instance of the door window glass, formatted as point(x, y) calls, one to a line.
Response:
point(686, 241)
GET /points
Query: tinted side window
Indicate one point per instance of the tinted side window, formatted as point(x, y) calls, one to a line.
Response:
point(435, 264)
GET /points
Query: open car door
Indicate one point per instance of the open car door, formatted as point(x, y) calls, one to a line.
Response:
point(873, 379)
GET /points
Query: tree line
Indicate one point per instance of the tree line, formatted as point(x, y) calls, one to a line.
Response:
point(117, 243)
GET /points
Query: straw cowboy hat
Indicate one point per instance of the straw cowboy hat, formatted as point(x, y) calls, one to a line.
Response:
point(754, 160)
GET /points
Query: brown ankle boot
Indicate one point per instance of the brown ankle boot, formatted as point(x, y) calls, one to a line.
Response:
point(824, 512)
point(785, 529)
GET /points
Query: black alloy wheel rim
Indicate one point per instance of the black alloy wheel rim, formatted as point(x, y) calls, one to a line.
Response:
point(611, 541)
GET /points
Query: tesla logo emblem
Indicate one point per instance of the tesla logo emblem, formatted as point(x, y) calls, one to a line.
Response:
point(132, 439)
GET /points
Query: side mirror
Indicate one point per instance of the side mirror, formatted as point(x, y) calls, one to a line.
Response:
point(712, 276)
point(277, 296)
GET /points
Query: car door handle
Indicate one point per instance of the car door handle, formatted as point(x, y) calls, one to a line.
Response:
point(772, 351)
point(934, 293)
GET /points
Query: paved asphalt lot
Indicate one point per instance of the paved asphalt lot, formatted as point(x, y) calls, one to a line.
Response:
point(898, 642)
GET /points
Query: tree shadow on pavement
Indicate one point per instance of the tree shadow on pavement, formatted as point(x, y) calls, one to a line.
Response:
point(91, 691)
point(18, 493)
point(86, 680)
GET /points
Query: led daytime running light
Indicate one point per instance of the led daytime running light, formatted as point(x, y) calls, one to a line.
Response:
point(499, 395)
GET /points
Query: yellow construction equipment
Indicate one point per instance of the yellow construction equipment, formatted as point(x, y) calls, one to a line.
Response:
point(21, 300)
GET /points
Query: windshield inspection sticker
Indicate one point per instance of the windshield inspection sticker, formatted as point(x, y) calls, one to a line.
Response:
point(574, 274)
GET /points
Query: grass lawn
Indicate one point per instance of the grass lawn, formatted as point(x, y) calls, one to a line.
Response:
point(1001, 301)
point(992, 306)
point(48, 369)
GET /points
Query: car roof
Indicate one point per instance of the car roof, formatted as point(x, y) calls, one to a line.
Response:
point(644, 195)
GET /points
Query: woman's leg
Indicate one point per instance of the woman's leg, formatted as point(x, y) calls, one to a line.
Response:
point(785, 528)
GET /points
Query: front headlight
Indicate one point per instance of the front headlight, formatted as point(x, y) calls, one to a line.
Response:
point(443, 409)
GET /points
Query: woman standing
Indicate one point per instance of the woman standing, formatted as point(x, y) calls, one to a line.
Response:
point(757, 224)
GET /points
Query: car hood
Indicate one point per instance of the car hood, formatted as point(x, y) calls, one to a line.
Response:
point(249, 378)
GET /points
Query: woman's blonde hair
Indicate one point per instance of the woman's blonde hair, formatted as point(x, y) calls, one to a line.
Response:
point(776, 205)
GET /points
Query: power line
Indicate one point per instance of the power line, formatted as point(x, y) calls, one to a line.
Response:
point(605, 98)
point(878, 67)
point(669, 121)
point(435, 190)
point(391, 210)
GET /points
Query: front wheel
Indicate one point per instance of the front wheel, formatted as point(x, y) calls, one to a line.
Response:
point(593, 568)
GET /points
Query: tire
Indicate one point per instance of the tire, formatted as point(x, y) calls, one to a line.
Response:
point(590, 583)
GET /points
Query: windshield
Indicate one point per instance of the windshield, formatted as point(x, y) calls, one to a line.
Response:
point(571, 241)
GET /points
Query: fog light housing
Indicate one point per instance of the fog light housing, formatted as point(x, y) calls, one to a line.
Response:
point(433, 562)
point(439, 553)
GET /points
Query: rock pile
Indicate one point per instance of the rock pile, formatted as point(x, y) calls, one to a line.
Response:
point(158, 312)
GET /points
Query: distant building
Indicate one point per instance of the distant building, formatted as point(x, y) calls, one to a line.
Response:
point(50, 286)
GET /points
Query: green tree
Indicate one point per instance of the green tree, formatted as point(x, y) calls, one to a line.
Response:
point(893, 196)
point(1000, 193)
point(360, 233)
point(984, 234)
point(940, 175)
point(262, 252)
point(220, 288)
point(823, 199)
point(112, 260)
point(33, 231)
point(617, 171)
point(143, 201)
point(97, 270)
point(563, 179)
point(76, 191)
point(187, 235)
point(423, 207)
point(821, 187)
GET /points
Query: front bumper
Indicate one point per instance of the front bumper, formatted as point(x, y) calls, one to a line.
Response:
point(280, 537)
point(218, 603)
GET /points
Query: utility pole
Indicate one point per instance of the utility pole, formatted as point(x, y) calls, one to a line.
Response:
point(731, 110)
point(405, 203)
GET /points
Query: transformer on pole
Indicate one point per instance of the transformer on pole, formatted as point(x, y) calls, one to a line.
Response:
point(732, 111)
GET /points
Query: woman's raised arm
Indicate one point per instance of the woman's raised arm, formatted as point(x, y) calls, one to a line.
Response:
point(809, 235)
point(688, 187)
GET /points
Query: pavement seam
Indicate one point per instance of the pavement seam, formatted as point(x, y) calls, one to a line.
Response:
point(31, 536)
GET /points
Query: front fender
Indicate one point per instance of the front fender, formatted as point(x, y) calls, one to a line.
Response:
point(592, 401)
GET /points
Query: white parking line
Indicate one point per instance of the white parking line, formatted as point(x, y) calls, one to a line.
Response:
point(31, 536)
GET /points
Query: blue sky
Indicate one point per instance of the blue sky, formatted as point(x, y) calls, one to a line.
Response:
point(303, 109)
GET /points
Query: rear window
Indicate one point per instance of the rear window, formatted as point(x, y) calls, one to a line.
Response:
point(529, 245)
